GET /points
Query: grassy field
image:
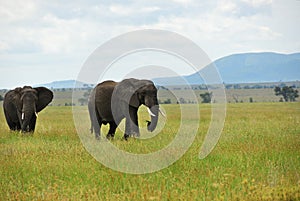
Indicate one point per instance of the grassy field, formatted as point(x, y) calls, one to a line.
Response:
point(257, 158)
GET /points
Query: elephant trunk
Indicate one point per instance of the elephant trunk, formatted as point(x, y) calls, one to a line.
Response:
point(28, 112)
point(153, 111)
point(26, 118)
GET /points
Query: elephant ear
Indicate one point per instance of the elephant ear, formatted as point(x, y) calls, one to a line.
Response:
point(15, 97)
point(127, 91)
point(45, 96)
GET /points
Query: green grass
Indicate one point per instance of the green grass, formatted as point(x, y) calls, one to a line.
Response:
point(257, 158)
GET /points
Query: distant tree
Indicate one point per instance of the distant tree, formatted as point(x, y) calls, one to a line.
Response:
point(287, 92)
point(204, 87)
point(87, 94)
point(69, 104)
point(1, 98)
point(228, 86)
point(235, 97)
point(237, 86)
point(168, 101)
point(206, 97)
point(182, 101)
point(82, 101)
point(85, 98)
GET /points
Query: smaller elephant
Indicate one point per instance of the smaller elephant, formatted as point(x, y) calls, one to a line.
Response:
point(22, 105)
point(110, 102)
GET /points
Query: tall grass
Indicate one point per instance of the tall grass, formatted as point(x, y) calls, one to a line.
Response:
point(257, 158)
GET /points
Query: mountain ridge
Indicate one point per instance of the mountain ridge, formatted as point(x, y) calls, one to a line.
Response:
point(247, 68)
point(64, 84)
point(235, 68)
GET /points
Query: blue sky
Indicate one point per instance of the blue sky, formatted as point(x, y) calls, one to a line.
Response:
point(44, 41)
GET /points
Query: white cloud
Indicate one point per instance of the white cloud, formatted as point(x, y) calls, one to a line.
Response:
point(258, 3)
point(3, 46)
point(226, 6)
point(266, 33)
point(81, 26)
point(184, 2)
point(223, 29)
point(58, 36)
point(15, 10)
point(68, 32)
point(127, 10)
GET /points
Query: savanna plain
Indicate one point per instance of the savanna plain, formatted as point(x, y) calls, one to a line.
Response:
point(256, 158)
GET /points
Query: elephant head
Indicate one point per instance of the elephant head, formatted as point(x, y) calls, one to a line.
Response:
point(137, 92)
point(28, 102)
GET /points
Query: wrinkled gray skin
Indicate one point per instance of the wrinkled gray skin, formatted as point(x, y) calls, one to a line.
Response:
point(110, 102)
point(21, 106)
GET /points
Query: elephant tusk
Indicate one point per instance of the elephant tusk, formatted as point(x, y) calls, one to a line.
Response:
point(22, 117)
point(162, 113)
point(149, 111)
point(36, 114)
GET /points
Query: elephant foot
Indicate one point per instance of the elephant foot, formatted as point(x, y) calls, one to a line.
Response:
point(126, 137)
point(136, 135)
point(97, 137)
point(148, 122)
point(110, 136)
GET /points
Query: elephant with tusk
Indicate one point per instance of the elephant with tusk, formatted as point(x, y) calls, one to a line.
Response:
point(21, 106)
point(110, 102)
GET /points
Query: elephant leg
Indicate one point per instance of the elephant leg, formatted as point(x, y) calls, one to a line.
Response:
point(134, 122)
point(97, 129)
point(112, 130)
point(17, 126)
point(97, 126)
point(11, 124)
point(131, 126)
point(127, 129)
point(32, 124)
point(93, 119)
